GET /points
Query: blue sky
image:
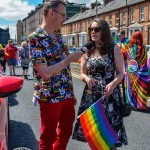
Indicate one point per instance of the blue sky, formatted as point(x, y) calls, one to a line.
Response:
point(13, 10)
point(35, 2)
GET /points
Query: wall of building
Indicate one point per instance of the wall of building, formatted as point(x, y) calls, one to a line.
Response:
point(143, 26)
point(19, 32)
point(4, 36)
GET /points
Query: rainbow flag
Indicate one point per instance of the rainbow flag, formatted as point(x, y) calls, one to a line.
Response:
point(98, 132)
point(136, 77)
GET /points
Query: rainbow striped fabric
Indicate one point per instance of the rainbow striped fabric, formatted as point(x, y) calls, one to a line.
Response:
point(97, 130)
point(136, 77)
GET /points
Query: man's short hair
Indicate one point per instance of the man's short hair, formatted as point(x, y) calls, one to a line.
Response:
point(51, 4)
point(10, 41)
point(122, 32)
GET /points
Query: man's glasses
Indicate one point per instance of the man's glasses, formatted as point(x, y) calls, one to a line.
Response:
point(64, 15)
point(96, 29)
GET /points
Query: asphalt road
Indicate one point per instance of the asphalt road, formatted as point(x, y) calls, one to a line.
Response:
point(24, 121)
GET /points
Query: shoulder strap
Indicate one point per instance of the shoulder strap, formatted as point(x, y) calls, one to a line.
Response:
point(112, 51)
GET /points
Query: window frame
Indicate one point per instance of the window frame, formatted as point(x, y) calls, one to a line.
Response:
point(132, 16)
point(110, 20)
point(123, 17)
point(141, 13)
point(117, 19)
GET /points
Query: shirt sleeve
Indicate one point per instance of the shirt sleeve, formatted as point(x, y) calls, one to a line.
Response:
point(37, 53)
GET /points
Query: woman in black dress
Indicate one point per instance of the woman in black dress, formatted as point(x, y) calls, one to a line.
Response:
point(102, 71)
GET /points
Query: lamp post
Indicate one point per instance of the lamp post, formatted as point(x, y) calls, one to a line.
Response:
point(96, 9)
point(127, 17)
point(15, 40)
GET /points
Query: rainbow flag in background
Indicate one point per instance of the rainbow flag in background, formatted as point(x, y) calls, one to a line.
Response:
point(98, 132)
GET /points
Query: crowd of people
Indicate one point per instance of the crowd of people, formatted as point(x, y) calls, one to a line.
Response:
point(10, 56)
point(53, 83)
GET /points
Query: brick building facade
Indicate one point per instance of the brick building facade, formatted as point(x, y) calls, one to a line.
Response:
point(19, 32)
point(34, 19)
point(120, 14)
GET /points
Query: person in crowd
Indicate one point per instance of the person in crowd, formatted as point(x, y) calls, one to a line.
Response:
point(137, 73)
point(17, 57)
point(24, 59)
point(2, 59)
point(52, 78)
point(10, 52)
point(123, 42)
point(102, 73)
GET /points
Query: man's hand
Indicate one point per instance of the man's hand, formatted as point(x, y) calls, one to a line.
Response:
point(75, 56)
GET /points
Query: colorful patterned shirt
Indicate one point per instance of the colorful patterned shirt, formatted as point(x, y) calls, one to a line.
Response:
point(47, 50)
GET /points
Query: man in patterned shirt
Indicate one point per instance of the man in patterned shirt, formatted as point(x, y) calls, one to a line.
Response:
point(52, 78)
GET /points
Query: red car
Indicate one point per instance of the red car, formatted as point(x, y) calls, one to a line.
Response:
point(8, 86)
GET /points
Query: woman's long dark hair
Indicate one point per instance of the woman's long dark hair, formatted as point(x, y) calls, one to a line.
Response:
point(106, 40)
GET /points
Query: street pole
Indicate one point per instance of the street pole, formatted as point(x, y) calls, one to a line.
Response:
point(96, 8)
point(127, 17)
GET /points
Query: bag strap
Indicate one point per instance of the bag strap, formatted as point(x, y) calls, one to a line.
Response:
point(112, 52)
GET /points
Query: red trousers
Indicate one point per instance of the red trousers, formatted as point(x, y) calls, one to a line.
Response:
point(56, 124)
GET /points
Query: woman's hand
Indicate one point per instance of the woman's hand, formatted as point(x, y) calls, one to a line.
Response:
point(109, 89)
point(91, 82)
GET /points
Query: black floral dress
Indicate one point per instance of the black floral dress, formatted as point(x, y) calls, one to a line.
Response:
point(102, 69)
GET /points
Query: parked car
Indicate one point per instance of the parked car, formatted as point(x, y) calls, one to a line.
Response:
point(8, 85)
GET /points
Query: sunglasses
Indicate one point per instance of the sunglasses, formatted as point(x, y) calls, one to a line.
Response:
point(96, 29)
point(64, 15)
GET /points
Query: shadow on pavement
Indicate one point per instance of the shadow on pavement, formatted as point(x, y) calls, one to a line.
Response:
point(12, 100)
point(143, 111)
point(21, 135)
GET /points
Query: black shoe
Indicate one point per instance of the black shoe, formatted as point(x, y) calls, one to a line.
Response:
point(118, 144)
point(25, 77)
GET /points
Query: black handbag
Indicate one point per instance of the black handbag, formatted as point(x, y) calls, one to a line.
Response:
point(125, 109)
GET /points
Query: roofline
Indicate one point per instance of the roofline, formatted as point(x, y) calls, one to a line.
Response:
point(34, 11)
point(102, 12)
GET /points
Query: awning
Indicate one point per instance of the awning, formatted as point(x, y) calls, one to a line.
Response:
point(135, 25)
point(82, 33)
point(114, 29)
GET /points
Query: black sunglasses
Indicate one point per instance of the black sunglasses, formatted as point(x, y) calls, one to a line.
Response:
point(96, 29)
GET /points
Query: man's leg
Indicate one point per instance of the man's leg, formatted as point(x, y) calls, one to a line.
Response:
point(10, 70)
point(10, 65)
point(14, 65)
point(49, 116)
point(65, 125)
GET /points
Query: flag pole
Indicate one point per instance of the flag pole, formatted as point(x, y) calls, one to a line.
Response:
point(91, 106)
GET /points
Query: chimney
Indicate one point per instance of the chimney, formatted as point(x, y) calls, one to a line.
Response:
point(83, 9)
point(106, 1)
point(93, 5)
